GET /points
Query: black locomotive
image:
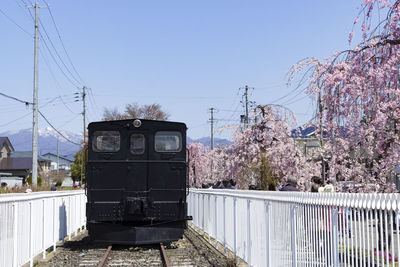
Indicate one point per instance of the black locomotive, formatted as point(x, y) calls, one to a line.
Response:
point(136, 181)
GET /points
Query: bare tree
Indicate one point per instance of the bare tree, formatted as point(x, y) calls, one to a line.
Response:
point(135, 111)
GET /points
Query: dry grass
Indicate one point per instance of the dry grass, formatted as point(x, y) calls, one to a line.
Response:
point(8, 190)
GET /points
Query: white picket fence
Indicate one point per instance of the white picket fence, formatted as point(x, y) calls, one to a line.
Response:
point(33, 222)
point(267, 228)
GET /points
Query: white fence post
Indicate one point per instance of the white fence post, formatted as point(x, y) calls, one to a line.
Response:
point(69, 228)
point(267, 235)
point(43, 231)
point(234, 227)
point(216, 219)
point(64, 214)
point(293, 230)
point(54, 225)
point(202, 217)
point(248, 233)
point(15, 234)
point(335, 236)
point(198, 212)
point(209, 215)
point(75, 217)
point(30, 235)
point(224, 223)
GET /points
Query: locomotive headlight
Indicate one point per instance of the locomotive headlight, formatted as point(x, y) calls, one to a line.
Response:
point(137, 123)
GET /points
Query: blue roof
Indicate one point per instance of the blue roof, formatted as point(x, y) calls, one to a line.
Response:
point(309, 132)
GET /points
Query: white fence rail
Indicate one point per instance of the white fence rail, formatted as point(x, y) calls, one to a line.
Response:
point(31, 223)
point(301, 229)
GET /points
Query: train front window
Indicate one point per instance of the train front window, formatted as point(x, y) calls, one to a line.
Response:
point(137, 144)
point(168, 142)
point(106, 141)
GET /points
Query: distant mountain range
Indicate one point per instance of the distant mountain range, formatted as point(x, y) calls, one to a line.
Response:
point(218, 142)
point(47, 141)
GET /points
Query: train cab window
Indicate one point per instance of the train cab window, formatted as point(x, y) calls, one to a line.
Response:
point(137, 144)
point(168, 142)
point(106, 141)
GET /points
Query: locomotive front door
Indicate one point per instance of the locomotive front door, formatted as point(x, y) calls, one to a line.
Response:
point(136, 177)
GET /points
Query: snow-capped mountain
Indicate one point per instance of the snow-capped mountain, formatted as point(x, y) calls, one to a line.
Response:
point(47, 141)
point(206, 141)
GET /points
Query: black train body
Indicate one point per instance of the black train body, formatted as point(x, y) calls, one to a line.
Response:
point(136, 181)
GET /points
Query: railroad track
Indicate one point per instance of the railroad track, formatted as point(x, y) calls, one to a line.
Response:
point(164, 257)
point(189, 251)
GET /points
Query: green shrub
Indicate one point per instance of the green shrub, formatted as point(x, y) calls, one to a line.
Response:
point(59, 182)
point(39, 180)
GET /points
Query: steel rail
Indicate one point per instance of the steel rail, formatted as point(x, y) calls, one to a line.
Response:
point(104, 259)
point(164, 256)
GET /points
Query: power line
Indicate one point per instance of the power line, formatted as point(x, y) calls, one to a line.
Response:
point(227, 110)
point(294, 101)
point(57, 83)
point(94, 99)
point(62, 43)
point(51, 125)
point(48, 49)
point(17, 119)
point(16, 99)
point(55, 50)
point(55, 61)
point(15, 23)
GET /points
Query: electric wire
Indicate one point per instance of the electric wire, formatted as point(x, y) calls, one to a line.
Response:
point(57, 83)
point(55, 61)
point(17, 119)
point(94, 100)
point(51, 125)
point(15, 23)
point(62, 43)
point(48, 49)
point(55, 50)
point(24, 9)
point(16, 99)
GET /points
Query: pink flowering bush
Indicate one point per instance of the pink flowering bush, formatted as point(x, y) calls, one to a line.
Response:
point(263, 155)
point(361, 96)
point(360, 93)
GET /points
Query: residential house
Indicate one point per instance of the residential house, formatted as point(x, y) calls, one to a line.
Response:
point(16, 167)
point(307, 141)
point(5, 147)
point(43, 163)
point(60, 163)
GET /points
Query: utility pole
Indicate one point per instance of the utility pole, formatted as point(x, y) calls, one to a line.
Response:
point(58, 158)
point(321, 136)
point(245, 118)
point(84, 129)
point(246, 90)
point(84, 113)
point(212, 128)
point(35, 101)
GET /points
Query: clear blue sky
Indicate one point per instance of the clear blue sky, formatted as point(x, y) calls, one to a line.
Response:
point(187, 56)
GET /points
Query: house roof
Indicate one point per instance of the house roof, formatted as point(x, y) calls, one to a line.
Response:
point(54, 155)
point(16, 164)
point(308, 132)
point(26, 154)
point(4, 140)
